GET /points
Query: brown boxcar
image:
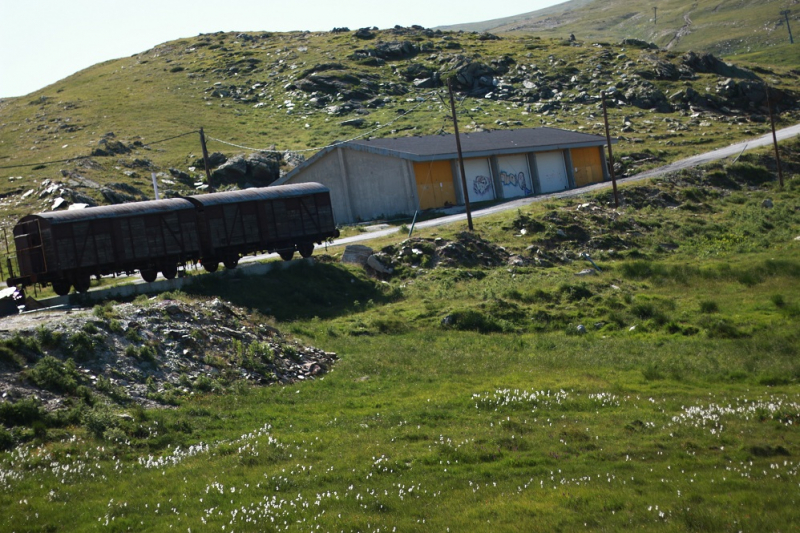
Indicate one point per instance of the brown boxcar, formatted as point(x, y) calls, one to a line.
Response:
point(281, 219)
point(66, 248)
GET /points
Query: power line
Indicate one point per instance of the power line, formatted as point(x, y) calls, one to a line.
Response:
point(90, 156)
point(171, 138)
point(48, 162)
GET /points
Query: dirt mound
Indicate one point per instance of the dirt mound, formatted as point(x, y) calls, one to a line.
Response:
point(151, 354)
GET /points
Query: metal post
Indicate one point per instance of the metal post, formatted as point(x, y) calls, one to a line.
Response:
point(206, 162)
point(413, 223)
point(155, 184)
point(610, 153)
point(460, 156)
point(774, 138)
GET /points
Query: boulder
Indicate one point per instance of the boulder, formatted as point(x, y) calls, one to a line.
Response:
point(647, 97)
point(357, 254)
point(354, 122)
point(263, 168)
point(230, 171)
point(216, 159)
point(109, 146)
point(638, 43)
point(375, 264)
point(708, 63)
point(116, 197)
point(364, 33)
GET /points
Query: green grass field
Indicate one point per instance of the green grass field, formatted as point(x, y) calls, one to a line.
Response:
point(676, 410)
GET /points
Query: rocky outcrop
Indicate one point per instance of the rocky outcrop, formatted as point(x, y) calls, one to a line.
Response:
point(708, 63)
point(257, 169)
point(108, 146)
point(638, 43)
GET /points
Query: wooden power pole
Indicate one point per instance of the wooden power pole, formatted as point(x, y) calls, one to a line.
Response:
point(610, 153)
point(774, 138)
point(460, 156)
point(206, 162)
point(655, 15)
point(785, 14)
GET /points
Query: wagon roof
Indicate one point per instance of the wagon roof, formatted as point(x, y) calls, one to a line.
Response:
point(260, 193)
point(113, 211)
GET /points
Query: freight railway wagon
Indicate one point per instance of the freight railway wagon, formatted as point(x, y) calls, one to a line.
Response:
point(67, 248)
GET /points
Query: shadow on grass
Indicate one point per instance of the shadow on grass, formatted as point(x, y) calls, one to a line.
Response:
point(301, 291)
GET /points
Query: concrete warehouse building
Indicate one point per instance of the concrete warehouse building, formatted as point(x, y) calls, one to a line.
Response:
point(379, 178)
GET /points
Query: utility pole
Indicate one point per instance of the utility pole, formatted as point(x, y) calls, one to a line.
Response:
point(655, 15)
point(610, 153)
point(774, 138)
point(460, 156)
point(785, 14)
point(206, 162)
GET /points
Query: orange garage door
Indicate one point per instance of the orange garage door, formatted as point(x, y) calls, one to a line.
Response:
point(434, 184)
point(587, 165)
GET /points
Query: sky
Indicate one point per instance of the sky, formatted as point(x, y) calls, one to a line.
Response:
point(43, 41)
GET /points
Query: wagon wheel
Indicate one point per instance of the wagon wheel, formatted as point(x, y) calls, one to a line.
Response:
point(62, 287)
point(231, 262)
point(169, 270)
point(149, 274)
point(211, 265)
point(286, 254)
point(82, 283)
point(305, 249)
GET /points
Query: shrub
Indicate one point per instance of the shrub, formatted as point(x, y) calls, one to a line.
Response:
point(148, 353)
point(47, 338)
point(205, 384)
point(114, 391)
point(750, 173)
point(721, 329)
point(652, 373)
point(471, 320)
point(389, 326)
point(133, 335)
point(575, 293)
point(6, 440)
point(81, 346)
point(105, 310)
point(11, 357)
point(23, 345)
point(708, 307)
point(22, 413)
point(291, 352)
point(99, 419)
point(51, 374)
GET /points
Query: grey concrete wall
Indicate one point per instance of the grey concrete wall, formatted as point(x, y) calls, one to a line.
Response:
point(364, 186)
point(327, 171)
point(378, 185)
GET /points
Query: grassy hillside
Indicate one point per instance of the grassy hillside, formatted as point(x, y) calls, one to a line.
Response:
point(724, 28)
point(484, 382)
point(302, 91)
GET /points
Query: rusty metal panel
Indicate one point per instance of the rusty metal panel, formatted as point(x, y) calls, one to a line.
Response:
point(114, 211)
point(260, 194)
